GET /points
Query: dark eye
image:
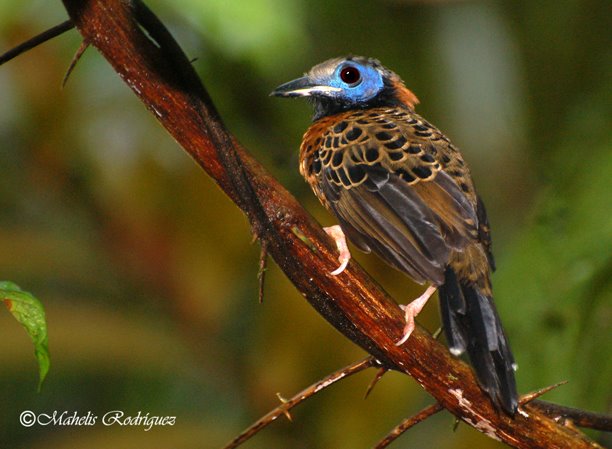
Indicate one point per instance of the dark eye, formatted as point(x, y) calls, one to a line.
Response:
point(350, 75)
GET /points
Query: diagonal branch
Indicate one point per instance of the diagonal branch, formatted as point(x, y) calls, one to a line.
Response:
point(155, 68)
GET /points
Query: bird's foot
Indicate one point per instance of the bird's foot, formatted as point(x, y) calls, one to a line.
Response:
point(412, 310)
point(335, 232)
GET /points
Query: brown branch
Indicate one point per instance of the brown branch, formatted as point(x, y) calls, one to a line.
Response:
point(288, 404)
point(158, 72)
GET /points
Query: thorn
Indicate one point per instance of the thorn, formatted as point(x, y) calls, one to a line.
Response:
point(73, 62)
point(263, 267)
point(381, 372)
point(284, 401)
point(437, 333)
point(526, 398)
point(456, 423)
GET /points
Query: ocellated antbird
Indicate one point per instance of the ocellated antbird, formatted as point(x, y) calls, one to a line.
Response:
point(401, 189)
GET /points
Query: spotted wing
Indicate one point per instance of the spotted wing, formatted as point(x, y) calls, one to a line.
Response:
point(383, 173)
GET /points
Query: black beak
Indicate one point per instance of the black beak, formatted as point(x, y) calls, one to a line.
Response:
point(302, 87)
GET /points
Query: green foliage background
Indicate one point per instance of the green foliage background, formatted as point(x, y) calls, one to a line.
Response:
point(147, 272)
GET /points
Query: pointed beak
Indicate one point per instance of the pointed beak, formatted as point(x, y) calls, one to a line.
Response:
point(302, 87)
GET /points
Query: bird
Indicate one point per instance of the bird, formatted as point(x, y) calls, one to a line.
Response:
point(400, 189)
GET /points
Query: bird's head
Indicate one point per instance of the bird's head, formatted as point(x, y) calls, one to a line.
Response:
point(352, 82)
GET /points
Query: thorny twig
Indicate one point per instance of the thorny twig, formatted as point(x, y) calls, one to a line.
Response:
point(288, 404)
point(407, 424)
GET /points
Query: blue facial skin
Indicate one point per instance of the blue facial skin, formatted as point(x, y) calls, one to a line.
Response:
point(367, 87)
point(330, 94)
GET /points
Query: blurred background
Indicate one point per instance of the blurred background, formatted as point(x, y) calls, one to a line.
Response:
point(147, 270)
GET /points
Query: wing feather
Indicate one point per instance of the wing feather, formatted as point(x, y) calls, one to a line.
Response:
point(410, 245)
point(383, 174)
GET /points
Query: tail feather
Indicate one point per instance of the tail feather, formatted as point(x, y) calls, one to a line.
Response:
point(471, 324)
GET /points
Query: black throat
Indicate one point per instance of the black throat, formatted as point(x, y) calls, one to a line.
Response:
point(325, 106)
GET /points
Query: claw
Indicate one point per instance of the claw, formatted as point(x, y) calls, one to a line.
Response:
point(343, 263)
point(335, 232)
point(411, 310)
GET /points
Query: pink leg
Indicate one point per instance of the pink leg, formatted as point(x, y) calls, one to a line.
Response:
point(412, 310)
point(335, 232)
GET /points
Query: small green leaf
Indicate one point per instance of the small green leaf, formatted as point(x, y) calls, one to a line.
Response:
point(30, 312)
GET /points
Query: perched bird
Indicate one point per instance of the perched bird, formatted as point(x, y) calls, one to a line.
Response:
point(401, 189)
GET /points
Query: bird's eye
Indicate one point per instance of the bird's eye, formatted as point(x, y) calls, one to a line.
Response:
point(350, 75)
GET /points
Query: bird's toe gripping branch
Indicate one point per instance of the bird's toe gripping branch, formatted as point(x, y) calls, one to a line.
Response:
point(335, 232)
point(412, 310)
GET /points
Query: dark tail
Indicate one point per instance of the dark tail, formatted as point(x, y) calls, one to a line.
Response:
point(471, 324)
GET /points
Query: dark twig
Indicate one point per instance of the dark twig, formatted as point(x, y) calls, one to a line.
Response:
point(288, 404)
point(36, 40)
point(407, 424)
point(580, 418)
point(561, 413)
